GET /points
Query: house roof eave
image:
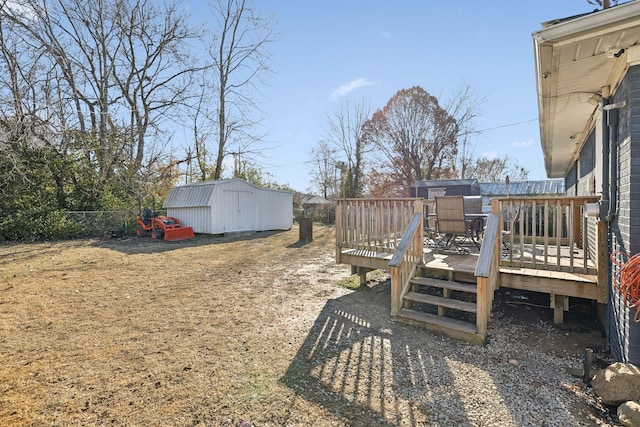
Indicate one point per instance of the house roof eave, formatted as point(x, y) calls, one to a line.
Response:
point(574, 59)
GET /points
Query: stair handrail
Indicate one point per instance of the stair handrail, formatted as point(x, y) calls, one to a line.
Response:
point(407, 256)
point(487, 271)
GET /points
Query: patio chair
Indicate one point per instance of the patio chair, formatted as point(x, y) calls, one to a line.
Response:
point(475, 218)
point(451, 222)
point(472, 205)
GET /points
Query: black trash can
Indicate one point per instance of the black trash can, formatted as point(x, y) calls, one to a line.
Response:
point(306, 229)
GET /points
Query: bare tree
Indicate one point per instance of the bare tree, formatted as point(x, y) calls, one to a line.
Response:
point(240, 57)
point(155, 68)
point(74, 38)
point(497, 169)
point(108, 73)
point(464, 106)
point(415, 136)
point(27, 107)
point(324, 169)
point(345, 131)
point(203, 127)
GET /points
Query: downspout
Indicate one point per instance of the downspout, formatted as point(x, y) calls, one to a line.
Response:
point(610, 117)
point(604, 205)
point(612, 123)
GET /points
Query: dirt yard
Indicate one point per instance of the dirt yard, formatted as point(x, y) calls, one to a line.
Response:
point(258, 330)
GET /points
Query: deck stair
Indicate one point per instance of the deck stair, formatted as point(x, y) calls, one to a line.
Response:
point(442, 305)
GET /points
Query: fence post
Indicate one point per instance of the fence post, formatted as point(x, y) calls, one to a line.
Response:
point(338, 231)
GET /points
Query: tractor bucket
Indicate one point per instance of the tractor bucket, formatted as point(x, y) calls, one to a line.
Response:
point(180, 233)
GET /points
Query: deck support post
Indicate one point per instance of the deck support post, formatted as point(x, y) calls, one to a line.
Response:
point(396, 291)
point(484, 305)
point(362, 273)
point(559, 302)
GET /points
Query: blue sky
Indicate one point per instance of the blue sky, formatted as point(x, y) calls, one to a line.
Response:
point(331, 51)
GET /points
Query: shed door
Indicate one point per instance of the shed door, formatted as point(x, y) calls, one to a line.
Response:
point(437, 192)
point(238, 205)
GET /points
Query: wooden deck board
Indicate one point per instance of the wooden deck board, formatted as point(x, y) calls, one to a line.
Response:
point(434, 259)
point(549, 274)
point(368, 253)
point(470, 307)
point(445, 284)
point(454, 328)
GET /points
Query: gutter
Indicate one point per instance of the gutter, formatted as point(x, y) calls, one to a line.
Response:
point(607, 17)
point(556, 34)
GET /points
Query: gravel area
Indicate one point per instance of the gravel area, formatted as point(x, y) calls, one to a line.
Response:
point(261, 330)
point(401, 375)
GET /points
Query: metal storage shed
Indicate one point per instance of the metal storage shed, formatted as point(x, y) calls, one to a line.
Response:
point(231, 205)
point(445, 187)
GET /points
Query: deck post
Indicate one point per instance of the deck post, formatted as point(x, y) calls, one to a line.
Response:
point(483, 308)
point(577, 214)
point(558, 309)
point(396, 290)
point(362, 273)
point(338, 231)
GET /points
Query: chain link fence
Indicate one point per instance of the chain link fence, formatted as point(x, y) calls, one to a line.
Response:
point(105, 223)
point(325, 214)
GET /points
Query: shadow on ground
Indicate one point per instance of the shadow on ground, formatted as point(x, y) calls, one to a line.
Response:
point(372, 371)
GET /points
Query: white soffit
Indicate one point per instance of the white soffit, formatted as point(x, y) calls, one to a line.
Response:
point(574, 59)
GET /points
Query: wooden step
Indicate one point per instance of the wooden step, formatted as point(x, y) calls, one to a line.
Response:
point(455, 304)
point(445, 284)
point(440, 322)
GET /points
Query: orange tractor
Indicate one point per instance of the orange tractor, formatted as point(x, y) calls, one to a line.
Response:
point(162, 227)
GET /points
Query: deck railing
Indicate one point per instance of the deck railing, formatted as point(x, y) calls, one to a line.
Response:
point(487, 272)
point(546, 233)
point(408, 255)
point(373, 225)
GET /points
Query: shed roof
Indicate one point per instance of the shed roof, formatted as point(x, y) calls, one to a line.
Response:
point(198, 194)
point(523, 188)
point(190, 196)
point(445, 183)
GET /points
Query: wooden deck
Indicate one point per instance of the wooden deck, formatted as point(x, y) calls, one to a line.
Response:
point(466, 264)
point(551, 249)
point(461, 268)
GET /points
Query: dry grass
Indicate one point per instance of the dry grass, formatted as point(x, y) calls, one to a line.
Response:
point(213, 331)
point(141, 332)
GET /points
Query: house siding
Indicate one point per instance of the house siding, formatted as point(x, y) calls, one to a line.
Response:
point(571, 182)
point(624, 333)
point(586, 185)
point(581, 179)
